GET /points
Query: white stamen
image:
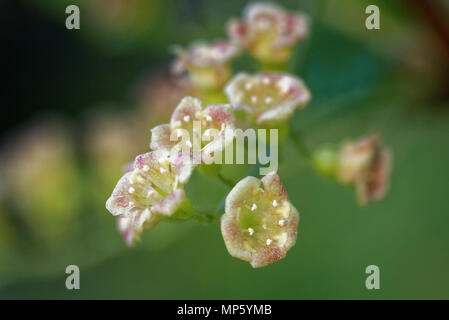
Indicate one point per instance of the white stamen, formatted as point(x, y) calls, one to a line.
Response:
point(186, 118)
point(266, 80)
point(130, 203)
point(282, 222)
point(284, 84)
point(162, 170)
point(254, 207)
point(150, 193)
point(275, 203)
point(248, 86)
point(269, 241)
point(251, 231)
point(146, 168)
point(254, 99)
point(264, 226)
point(189, 144)
point(208, 118)
point(268, 99)
point(131, 190)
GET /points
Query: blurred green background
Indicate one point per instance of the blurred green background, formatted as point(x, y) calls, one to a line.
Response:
point(79, 104)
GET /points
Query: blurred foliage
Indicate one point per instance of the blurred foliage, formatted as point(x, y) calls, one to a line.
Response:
point(52, 204)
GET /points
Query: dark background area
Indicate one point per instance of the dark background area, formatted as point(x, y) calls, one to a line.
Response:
point(83, 86)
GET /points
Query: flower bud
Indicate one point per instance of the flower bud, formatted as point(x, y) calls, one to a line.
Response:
point(365, 164)
point(324, 160)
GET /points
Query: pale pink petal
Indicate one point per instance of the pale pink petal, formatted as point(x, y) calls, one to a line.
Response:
point(236, 30)
point(266, 256)
point(225, 139)
point(186, 109)
point(374, 186)
point(220, 118)
point(220, 114)
point(168, 205)
point(183, 165)
point(254, 13)
point(294, 27)
point(292, 228)
point(277, 114)
point(124, 224)
point(234, 239)
point(160, 137)
point(121, 202)
point(202, 54)
point(151, 159)
point(380, 176)
point(131, 226)
point(240, 193)
point(272, 184)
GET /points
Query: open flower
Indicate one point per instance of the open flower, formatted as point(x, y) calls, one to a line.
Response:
point(191, 127)
point(268, 32)
point(207, 64)
point(260, 224)
point(152, 190)
point(365, 164)
point(270, 98)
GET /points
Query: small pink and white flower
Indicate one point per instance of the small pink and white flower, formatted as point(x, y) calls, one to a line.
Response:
point(270, 98)
point(365, 164)
point(192, 128)
point(207, 64)
point(260, 224)
point(151, 191)
point(268, 32)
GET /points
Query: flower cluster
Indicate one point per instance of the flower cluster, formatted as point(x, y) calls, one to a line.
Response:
point(259, 223)
point(267, 32)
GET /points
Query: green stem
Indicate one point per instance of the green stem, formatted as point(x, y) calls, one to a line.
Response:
point(214, 96)
point(273, 67)
point(300, 145)
point(205, 217)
